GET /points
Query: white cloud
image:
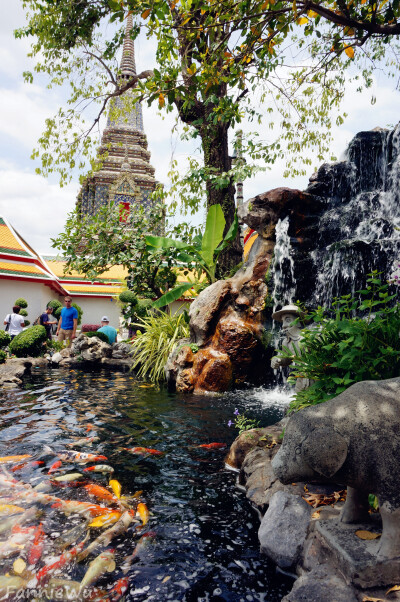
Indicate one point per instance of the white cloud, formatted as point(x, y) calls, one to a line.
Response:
point(35, 207)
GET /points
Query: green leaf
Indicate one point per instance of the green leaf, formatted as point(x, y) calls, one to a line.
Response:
point(230, 235)
point(172, 295)
point(161, 242)
point(213, 233)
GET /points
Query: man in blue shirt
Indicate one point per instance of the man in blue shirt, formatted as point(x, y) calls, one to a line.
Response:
point(108, 330)
point(66, 329)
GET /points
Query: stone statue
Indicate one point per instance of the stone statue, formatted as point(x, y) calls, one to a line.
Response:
point(292, 336)
point(352, 439)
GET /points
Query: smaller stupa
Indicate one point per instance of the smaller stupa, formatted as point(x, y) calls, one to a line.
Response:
point(126, 176)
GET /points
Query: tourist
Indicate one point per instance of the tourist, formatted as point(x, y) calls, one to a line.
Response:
point(66, 329)
point(47, 320)
point(108, 330)
point(14, 323)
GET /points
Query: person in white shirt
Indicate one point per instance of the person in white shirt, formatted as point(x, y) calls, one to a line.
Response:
point(15, 322)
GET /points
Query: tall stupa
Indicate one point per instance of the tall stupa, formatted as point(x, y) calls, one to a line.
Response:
point(126, 175)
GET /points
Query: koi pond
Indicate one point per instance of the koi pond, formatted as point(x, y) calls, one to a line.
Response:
point(178, 529)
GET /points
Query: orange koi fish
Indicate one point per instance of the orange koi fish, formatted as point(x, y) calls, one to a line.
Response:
point(143, 512)
point(55, 466)
point(65, 558)
point(119, 590)
point(100, 492)
point(212, 445)
point(13, 459)
point(37, 546)
point(26, 465)
point(144, 451)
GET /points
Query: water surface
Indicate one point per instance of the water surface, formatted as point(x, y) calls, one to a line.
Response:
point(205, 545)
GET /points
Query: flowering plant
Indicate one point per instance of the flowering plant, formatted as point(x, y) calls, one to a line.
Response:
point(242, 422)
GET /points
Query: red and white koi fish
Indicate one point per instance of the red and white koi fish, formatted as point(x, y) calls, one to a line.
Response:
point(85, 508)
point(144, 451)
point(37, 546)
point(18, 540)
point(211, 445)
point(74, 456)
point(99, 468)
point(66, 558)
point(119, 590)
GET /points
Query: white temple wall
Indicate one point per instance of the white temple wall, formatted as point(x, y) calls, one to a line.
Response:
point(94, 308)
point(36, 294)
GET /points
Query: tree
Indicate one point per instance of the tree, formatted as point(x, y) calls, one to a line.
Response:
point(210, 56)
point(92, 244)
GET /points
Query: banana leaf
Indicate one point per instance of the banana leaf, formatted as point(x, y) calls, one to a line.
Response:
point(213, 233)
point(230, 235)
point(172, 295)
point(162, 242)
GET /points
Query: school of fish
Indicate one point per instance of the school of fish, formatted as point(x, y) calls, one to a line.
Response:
point(36, 562)
point(37, 566)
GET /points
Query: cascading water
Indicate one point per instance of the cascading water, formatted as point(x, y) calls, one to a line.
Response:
point(358, 231)
point(284, 289)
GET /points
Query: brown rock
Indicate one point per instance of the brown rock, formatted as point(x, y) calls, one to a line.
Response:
point(260, 437)
point(215, 374)
point(204, 310)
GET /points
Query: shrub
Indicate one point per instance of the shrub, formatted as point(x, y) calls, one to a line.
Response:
point(26, 322)
point(54, 304)
point(152, 346)
point(3, 356)
point(21, 303)
point(101, 335)
point(29, 342)
point(79, 310)
point(5, 339)
point(358, 340)
point(23, 312)
point(57, 312)
point(90, 327)
point(128, 297)
point(56, 345)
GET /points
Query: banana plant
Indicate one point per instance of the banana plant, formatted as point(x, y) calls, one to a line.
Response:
point(201, 255)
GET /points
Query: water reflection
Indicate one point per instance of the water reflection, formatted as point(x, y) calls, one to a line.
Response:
point(204, 544)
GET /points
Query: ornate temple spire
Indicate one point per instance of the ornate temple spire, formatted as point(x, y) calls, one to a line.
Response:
point(128, 64)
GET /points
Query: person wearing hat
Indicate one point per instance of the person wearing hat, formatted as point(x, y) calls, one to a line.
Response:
point(108, 330)
point(292, 336)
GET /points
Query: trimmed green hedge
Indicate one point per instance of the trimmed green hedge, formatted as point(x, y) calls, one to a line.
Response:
point(21, 303)
point(29, 342)
point(54, 304)
point(3, 356)
point(5, 339)
point(100, 335)
point(23, 312)
point(128, 297)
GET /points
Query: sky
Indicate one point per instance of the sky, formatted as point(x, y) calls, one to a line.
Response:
point(38, 207)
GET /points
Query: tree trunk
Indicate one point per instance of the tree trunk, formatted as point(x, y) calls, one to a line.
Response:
point(217, 160)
